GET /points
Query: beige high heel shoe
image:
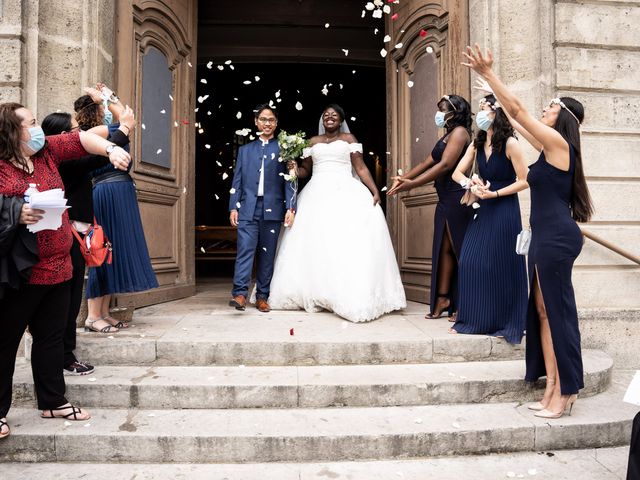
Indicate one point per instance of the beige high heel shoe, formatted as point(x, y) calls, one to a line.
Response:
point(539, 406)
point(549, 414)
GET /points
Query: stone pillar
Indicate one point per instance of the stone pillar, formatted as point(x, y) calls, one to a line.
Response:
point(51, 50)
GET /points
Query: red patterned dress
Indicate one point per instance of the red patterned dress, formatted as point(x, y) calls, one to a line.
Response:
point(54, 245)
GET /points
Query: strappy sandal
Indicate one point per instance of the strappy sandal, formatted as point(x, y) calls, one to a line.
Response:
point(118, 324)
point(88, 326)
point(442, 312)
point(3, 423)
point(74, 413)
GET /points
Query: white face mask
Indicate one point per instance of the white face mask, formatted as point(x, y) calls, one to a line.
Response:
point(440, 119)
point(483, 121)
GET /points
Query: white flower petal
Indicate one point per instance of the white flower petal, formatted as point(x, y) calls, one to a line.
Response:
point(256, 78)
point(238, 204)
point(386, 39)
point(475, 205)
point(159, 151)
point(239, 115)
point(228, 62)
point(298, 106)
point(399, 45)
point(163, 111)
point(207, 146)
point(429, 49)
point(383, 53)
point(410, 84)
point(220, 67)
point(210, 65)
point(386, 9)
point(232, 191)
point(346, 51)
point(327, 25)
point(203, 80)
point(383, 189)
point(377, 14)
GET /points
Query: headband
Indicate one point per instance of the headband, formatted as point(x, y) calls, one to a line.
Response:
point(557, 101)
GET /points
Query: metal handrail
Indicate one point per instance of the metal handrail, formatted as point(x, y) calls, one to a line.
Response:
point(610, 246)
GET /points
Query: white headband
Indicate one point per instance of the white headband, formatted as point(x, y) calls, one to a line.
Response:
point(557, 101)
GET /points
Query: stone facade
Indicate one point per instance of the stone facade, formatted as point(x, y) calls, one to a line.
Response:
point(590, 51)
point(52, 49)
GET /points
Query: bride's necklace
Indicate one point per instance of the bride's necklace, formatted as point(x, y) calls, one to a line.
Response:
point(332, 138)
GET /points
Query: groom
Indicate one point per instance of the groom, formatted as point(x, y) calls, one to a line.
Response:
point(260, 200)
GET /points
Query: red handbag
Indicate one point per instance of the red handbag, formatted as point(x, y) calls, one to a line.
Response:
point(95, 246)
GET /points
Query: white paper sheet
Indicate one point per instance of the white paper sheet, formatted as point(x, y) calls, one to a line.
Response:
point(53, 203)
point(633, 392)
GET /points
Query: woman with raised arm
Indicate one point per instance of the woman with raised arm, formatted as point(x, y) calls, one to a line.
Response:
point(493, 277)
point(41, 297)
point(559, 198)
point(451, 218)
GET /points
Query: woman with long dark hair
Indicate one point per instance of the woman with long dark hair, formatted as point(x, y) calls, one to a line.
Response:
point(451, 218)
point(492, 276)
point(559, 199)
point(78, 192)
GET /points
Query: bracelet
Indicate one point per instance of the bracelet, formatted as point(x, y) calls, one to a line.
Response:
point(497, 194)
point(128, 129)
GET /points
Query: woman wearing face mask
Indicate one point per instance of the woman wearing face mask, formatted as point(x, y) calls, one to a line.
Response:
point(559, 198)
point(78, 191)
point(27, 157)
point(116, 209)
point(451, 218)
point(492, 276)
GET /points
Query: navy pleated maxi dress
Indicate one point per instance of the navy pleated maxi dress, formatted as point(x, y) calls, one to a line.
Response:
point(492, 276)
point(115, 205)
point(556, 241)
point(451, 218)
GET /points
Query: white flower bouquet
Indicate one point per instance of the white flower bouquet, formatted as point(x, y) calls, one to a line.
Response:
point(291, 148)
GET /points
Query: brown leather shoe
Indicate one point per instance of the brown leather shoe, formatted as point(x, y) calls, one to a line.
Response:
point(239, 302)
point(263, 305)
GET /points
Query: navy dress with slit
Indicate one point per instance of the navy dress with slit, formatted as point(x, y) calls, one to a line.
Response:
point(556, 241)
point(492, 276)
point(451, 218)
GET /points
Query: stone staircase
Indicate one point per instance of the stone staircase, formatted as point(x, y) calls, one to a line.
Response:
point(197, 390)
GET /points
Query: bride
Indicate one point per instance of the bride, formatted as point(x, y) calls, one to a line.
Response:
point(338, 256)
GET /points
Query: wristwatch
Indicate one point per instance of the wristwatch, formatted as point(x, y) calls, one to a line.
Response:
point(113, 98)
point(110, 148)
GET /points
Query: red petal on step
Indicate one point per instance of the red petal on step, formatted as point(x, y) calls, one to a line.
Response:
point(291, 332)
point(394, 16)
point(423, 33)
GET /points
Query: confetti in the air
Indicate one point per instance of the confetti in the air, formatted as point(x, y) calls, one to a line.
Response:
point(207, 146)
point(298, 106)
point(239, 115)
point(423, 33)
point(410, 83)
point(210, 65)
point(220, 67)
point(346, 51)
point(190, 65)
point(383, 53)
point(144, 127)
point(394, 17)
point(353, 119)
point(163, 111)
point(386, 39)
point(325, 90)
point(159, 151)
point(225, 175)
point(399, 45)
point(256, 78)
point(203, 80)
point(327, 25)
point(247, 82)
point(429, 49)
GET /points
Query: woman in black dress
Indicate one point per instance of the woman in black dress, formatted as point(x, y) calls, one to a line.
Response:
point(451, 218)
point(559, 198)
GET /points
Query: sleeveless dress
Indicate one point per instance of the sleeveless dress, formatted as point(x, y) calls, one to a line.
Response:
point(492, 276)
point(556, 241)
point(115, 206)
point(449, 212)
point(338, 254)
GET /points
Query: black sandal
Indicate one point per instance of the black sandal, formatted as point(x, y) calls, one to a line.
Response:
point(74, 413)
point(3, 424)
point(441, 313)
point(119, 325)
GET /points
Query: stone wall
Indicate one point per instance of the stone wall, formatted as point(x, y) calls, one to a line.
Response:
point(52, 49)
point(590, 51)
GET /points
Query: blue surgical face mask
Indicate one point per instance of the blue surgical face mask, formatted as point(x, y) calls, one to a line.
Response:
point(37, 139)
point(440, 120)
point(483, 121)
point(108, 116)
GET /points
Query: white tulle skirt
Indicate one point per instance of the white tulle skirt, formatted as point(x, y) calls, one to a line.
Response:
point(338, 254)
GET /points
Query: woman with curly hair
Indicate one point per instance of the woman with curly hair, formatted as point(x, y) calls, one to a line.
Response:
point(492, 276)
point(451, 218)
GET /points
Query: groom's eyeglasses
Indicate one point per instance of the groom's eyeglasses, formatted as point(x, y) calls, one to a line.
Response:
point(266, 120)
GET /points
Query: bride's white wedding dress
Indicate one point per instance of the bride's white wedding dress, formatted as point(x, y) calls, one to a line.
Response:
point(338, 254)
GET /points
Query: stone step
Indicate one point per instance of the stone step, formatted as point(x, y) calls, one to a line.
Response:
point(592, 464)
point(250, 338)
point(316, 435)
point(157, 387)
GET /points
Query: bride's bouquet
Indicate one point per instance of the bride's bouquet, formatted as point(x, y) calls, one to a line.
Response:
point(291, 148)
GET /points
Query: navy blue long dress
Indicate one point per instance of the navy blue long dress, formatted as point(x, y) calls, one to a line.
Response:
point(449, 213)
point(492, 281)
point(556, 241)
point(115, 205)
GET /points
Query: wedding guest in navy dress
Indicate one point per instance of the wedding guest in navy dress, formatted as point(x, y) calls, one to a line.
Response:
point(116, 209)
point(451, 218)
point(492, 280)
point(559, 198)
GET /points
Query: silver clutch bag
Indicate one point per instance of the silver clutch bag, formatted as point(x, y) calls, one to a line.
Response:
point(523, 241)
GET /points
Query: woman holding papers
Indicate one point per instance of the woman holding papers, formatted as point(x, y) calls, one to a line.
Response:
point(41, 300)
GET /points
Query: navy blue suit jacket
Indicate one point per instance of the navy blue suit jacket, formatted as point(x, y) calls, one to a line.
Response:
point(278, 193)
